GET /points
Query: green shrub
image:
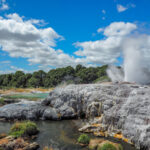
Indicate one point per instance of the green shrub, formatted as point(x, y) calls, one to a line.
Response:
point(84, 139)
point(107, 146)
point(2, 101)
point(21, 129)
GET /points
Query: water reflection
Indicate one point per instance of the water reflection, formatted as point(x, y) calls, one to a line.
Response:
point(60, 135)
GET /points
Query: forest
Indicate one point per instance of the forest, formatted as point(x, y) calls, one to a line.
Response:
point(55, 77)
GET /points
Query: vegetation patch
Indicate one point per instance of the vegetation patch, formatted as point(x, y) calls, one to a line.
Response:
point(21, 129)
point(2, 102)
point(107, 146)
point(84, 139)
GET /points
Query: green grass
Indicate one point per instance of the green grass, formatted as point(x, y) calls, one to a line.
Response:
point(21, 129)
point(84, 139)
point(28, 96)
point(107, 146)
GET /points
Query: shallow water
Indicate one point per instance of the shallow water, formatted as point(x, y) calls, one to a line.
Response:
point(28, 96)
point(61, 135)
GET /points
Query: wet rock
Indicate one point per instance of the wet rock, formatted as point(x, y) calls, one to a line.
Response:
point(10, 143)
point(32, 146)
point(51, 114)
point(21, 110)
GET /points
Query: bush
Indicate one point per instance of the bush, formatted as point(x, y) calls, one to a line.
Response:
point(21, 129)
point(107, 146)
point(2, 101)
point(84, 139)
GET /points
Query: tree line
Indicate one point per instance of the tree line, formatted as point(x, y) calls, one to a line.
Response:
point(77, 75)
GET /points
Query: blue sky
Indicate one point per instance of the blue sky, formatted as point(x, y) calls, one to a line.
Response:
point(74, 36)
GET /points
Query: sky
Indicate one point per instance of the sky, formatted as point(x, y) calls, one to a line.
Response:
point(48, 34)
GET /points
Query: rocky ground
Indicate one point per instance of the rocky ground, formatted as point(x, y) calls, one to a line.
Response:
point(10, 143)
point(122, 109)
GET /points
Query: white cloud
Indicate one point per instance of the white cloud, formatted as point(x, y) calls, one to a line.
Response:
point(107, 50)
point(3, 5)
point(21, 38)
point(121, 8)
point(119, 29)
point(37, 22)
point(103, 12)
point(15, 17)
point(14, 68)
point(100, 30)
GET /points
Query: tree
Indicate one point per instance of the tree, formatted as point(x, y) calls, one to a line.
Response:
point(40, 77)
point(6, 80)
point(102, 71)
point(54, 77)
point(69, 71)
point(18, 79)
point(87, 75)
point(79, 67)
point(34, 82)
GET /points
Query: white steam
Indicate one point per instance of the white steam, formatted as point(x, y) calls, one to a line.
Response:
point(136, 66)
point(115, 74)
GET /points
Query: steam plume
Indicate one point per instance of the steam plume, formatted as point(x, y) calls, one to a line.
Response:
point(136, 65)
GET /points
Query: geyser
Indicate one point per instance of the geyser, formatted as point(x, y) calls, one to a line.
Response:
point(136, 61)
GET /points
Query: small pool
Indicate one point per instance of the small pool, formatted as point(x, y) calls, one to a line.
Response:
point(60, 135)
point(28, 96)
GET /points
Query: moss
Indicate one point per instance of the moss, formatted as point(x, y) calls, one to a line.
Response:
point(84, 139)
point(107, 146)
point(21, 129)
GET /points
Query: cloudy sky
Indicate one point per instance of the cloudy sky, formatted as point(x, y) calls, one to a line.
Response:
point(47, 34)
